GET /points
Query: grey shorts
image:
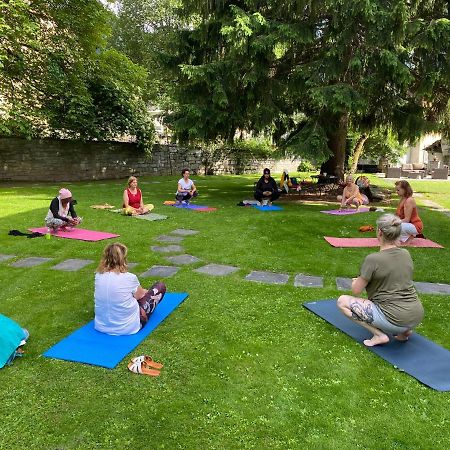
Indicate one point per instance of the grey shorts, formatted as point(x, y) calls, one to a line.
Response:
point(380, 322)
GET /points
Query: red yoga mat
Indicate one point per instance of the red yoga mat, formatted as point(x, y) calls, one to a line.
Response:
point(78, 233)
point(373, 242)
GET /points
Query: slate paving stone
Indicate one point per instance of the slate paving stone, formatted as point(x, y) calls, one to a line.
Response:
point(308, 281)
point(172, 239)
point(183, 259)
point(268, 277)
point(343, 284)
point(132, 265)
point(167, 249)
point(160, 271)
point(217, 270)
point(151, 217)
point(30, 262)
point(432, 288)
point(6, 257)
point(72, 265)
point(184, 232)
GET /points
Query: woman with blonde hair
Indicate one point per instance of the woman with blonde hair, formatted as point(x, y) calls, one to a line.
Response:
point(351, 195)
point(133, 202)
point(412, 225)
point(393, 306)
point(122, 305)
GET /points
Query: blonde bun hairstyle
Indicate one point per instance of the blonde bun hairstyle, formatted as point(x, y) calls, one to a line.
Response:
point(390, 226)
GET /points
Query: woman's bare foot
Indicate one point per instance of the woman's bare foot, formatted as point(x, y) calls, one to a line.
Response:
point(403, 337)
point(378, 339)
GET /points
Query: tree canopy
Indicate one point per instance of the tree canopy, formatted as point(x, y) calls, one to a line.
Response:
point(309, 71)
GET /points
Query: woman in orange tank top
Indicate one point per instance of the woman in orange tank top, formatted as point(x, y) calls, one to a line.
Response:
point(412, 225)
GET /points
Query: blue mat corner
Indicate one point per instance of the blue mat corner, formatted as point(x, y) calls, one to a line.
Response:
point(89, 346)
point(419, 357)
point(268, 208)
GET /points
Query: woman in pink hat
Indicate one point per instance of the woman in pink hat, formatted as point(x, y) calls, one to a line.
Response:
point(60, 208)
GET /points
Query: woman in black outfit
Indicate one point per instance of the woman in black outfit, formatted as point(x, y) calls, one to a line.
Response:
point(266, 189)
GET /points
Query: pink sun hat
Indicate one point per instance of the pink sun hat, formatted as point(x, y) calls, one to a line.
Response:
point(64, 193)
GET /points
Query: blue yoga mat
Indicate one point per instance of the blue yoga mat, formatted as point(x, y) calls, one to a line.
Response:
point(268, 208)
point(87, 345)
point(419, 357)
point(190, 206)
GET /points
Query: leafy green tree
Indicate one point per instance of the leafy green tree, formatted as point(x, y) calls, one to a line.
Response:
point(347, 64)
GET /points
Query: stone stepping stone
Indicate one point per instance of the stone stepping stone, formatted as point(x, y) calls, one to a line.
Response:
point(30, 262)
point(217, 270)
point(344, 284)
point(160, 271)
point(166, 238)
point(184, 232)
point(268, 277)
point(308, 281)
point(432, 288)
point(72, 265)
point(183, 259)
point(167, 249)
point(132, 265)
point(6, 257)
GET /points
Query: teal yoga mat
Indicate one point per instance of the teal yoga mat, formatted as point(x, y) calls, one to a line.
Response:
point(89, 346)
point(419, 357)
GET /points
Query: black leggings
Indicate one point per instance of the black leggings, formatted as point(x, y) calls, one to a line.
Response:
point(271, 198)
point(150, 301)
point(180, 196)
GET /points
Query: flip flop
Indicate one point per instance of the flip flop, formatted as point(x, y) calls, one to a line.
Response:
point(148, 360)
point(141, 368)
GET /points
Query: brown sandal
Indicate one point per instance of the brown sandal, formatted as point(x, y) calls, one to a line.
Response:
point(143, 369)
point(148, 360)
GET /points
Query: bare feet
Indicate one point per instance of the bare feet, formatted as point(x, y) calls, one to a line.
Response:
point(377, 340)
point(403, 337)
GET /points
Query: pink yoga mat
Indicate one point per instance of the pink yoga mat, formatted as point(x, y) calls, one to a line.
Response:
point(373, 242)
point(78, 233)
point(345, 212)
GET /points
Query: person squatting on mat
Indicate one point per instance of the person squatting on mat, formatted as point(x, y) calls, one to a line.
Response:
point(12, 338)
point(133, 202)
point(122, 306)
point(412, 225)
point(352, 195)
point(266, 189)
point(186, 188)
point(393, 306)
point(58, 213)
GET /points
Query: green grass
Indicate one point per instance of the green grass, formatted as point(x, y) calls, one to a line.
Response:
point(245, 365)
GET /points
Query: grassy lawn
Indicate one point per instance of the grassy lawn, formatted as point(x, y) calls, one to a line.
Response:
point(245, 365)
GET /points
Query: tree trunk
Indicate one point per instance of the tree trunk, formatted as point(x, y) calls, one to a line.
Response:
point(337, 139)
point(357, 152)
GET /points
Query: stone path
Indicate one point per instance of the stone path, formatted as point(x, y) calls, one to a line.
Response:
point(308, 281)
point(30, 262)
point(183, 259)
point(167, 238)
point(184, 232)
point(436, 206)
point(343, 284)
point(167, 249)
point(267, 277)
point(6, 257)
point(432, 288)
point(160, 271)
point(72, 265)
point(217, 270)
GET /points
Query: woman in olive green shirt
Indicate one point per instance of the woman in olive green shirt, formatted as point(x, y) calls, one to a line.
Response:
point(393, 306)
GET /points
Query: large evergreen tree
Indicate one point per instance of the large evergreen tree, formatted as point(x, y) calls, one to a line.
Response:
point(314, 68)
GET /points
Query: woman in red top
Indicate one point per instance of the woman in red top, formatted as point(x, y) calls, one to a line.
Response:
point(133, 203)
point(412, 225)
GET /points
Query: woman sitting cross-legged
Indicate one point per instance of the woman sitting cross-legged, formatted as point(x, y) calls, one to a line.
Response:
point(122, 306)
point(133, 202)
point(186, 188)
point(412, 225)
point(60, 209)
point(266, 189)
point(393, 306)
point(352, 195)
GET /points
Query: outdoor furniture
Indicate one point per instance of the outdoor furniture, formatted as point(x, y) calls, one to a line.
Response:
point(415, 175)
point(394, 172)
point(440, 174)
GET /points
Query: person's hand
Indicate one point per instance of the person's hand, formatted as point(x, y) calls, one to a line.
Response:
point(267, 193)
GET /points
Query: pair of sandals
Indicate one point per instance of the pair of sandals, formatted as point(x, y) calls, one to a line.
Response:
point(144, 365)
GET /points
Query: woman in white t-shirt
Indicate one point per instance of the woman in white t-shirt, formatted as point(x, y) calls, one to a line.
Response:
point(186, 188)
point(122, 306)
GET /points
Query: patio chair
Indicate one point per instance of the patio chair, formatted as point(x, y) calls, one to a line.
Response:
point(440, 174)
point(394, 172)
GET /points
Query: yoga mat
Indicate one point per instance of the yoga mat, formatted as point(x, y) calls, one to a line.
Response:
point(344, 212)
point(373, 242)
point(77, 233)
point(268, 208)
point(198, 208)
point(89, 346)
point(419, 357)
